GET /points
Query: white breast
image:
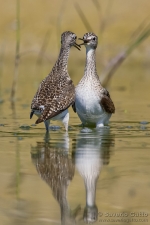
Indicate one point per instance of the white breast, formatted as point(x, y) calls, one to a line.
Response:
point(88, 104)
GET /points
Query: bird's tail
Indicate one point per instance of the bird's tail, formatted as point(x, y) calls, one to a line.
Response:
point(39, 120)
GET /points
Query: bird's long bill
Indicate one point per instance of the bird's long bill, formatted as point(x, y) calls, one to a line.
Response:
point(84, 41)
point(77, 46)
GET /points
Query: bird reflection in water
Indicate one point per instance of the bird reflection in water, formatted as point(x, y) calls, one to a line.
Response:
point(55, 166)
point(92, 151)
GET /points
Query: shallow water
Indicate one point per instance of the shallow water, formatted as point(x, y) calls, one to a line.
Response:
point(87, 175)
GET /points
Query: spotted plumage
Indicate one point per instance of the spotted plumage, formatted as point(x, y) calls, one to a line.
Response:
point(56, 92)
point(92, 103)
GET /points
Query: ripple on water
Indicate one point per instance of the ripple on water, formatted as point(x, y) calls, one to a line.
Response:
point(86, 130)
point(144, 122)
point(25, 127)
point(54, 128)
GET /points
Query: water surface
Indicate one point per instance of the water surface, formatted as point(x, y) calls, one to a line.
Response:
point(87, 175)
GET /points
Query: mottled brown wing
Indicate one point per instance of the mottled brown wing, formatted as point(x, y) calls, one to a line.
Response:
point(106, 103)
point(46, 91)
point(62, 99)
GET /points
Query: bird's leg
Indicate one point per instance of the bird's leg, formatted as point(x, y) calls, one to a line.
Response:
point(47, 123)
point(65, 120)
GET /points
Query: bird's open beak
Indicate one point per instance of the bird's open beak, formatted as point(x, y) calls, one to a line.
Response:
point(84, 41)
point(77, 46)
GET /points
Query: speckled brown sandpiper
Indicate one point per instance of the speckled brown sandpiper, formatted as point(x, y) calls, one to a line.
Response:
point(56, 92)
point(92, 102)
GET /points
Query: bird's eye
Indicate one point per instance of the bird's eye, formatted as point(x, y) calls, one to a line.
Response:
point(93, 38)
point(75, 37)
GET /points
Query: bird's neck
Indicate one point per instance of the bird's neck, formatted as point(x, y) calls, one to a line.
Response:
point(62, 61)
point(90, 64)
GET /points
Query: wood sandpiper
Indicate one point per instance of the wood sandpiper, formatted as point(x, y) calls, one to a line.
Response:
point(92, 102)
point(56, 92)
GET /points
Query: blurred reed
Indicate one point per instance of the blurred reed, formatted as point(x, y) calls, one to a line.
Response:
point(58, 22)
point(103, 19)
point(41, 54)
point(142, 34)
point(83, 17)
point(17, 53)
point(2, 50)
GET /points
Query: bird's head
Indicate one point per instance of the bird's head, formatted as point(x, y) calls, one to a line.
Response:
point(69, 38)
point(90, 40)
